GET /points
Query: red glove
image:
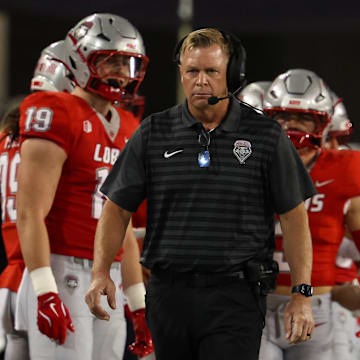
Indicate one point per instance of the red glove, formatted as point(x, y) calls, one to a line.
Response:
point(143, 344)
point(53, 317)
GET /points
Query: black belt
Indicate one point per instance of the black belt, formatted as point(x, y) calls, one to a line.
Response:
point(197, 279)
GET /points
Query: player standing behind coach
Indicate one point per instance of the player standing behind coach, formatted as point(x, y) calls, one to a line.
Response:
point(68, 145)
point(214, 173)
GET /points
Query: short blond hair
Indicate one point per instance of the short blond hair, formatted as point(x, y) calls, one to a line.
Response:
point(205, 38)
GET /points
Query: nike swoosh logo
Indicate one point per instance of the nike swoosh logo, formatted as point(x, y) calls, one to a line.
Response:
point(45, 317)
point(319, 324)
point(168, 155)
point(52, 307)
point(319, 184)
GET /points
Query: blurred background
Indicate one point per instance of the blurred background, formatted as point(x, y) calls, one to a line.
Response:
point(319, 35)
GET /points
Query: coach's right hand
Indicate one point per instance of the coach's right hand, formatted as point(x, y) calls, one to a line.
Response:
point(101, 284)
point(53, 317)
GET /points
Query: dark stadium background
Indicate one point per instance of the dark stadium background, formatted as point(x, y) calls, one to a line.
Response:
point(321, 35)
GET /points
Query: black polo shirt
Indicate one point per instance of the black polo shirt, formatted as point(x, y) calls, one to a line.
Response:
point(208, 219)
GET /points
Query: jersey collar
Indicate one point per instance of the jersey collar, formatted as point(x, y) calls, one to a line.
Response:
point(229, 124)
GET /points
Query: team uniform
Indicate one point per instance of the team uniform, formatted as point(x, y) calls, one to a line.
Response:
point(92, 144)
point(10, 278)
point(326, 211)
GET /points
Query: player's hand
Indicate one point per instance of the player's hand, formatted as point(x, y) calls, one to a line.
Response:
point(299, 320)
point(143, 344)
point(101, 284)
point(53, 317)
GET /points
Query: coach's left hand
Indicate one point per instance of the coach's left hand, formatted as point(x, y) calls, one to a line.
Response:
point(299, 320)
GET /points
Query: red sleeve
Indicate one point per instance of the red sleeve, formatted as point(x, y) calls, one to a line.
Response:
point(45, 115)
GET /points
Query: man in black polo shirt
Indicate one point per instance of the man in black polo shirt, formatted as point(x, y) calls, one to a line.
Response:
point(214, 172)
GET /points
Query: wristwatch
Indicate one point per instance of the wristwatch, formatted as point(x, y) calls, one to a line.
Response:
point(303, 289)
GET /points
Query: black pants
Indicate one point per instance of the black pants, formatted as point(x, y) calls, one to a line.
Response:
point(196, 321)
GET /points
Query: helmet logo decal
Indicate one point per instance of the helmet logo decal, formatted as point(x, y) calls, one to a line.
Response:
point(82, 30)
point(131, 46)
point(51, 68)
point(242, 150)
point(87, 126)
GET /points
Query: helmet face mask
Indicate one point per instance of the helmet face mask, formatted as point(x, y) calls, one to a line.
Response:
point(116, 74)
point(305, 132)
point(106, 55)
point(301, 91)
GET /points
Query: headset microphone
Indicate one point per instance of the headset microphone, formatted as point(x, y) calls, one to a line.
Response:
point(213, 100)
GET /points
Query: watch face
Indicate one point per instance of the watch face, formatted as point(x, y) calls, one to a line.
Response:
point(306, 290)
point(303, 289)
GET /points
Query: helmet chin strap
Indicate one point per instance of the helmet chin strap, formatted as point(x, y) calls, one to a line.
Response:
point(301, 139)
point(110, 90)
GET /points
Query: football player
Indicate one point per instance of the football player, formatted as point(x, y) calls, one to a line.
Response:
point(302, 103)
point(346, 292)
point(340, 127)
point(68, 144)
point(50, 74)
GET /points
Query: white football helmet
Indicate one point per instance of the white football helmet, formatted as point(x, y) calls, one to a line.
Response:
point(300, 90)
point(51, 74)
point(340, 125)
point(253, 94)
point(100, 39)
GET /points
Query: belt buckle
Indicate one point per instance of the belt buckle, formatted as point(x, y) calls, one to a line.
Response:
point(83, 262)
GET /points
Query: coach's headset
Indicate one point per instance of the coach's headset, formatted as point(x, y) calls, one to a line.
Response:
point(235, 74)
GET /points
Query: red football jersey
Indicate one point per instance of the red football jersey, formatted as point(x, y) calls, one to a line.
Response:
point(9, 162)
point(336, 175)
point(92, 144)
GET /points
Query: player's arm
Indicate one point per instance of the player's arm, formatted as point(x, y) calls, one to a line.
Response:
point(349, 295)
point(352, 220)
point(134, 290)
point(298, 252)
point(109, 236)
point(130, 263)
point(39, 174)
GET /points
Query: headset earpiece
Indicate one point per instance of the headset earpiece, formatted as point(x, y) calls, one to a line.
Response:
point(236, 66)
point(176, 53)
